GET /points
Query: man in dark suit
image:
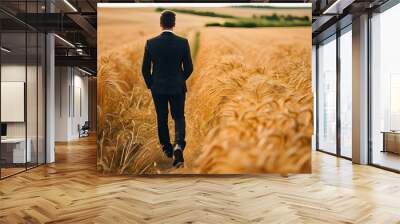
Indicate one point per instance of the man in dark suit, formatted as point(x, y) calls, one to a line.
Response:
point(167, 64)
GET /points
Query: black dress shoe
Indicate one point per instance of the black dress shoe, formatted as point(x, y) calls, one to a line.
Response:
point(168, 150)
point(178, 156)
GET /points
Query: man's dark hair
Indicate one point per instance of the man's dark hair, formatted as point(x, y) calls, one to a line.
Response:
point(167, 19)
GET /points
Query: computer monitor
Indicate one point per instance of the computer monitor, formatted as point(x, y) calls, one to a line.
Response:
point(3, 129)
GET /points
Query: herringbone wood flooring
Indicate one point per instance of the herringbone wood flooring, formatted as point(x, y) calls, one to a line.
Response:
point(70, 191)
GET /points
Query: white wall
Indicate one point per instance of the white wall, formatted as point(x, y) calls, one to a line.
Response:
point(71, 93)
point(81, 103)
point(62, 81)
point(12, 73)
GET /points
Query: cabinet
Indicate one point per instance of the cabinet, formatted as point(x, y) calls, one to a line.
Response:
point(391, 141)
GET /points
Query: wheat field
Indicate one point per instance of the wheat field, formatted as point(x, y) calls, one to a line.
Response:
point(248, 107)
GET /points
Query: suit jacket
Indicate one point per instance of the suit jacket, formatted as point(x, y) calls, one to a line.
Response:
point(167, 64)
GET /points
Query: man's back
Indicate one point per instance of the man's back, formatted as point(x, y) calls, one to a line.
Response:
point(166, 66)
point(167, 63)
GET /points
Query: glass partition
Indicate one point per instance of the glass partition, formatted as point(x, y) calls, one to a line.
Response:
point(346, 92)
point(22, 77)
point(314, 89)
point(385, 89)
point(13, 94)
point(327, 95)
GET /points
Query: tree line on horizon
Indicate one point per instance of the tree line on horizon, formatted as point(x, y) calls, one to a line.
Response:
point(272, 20)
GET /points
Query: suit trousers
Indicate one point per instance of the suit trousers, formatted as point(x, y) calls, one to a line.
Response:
point(177, 107)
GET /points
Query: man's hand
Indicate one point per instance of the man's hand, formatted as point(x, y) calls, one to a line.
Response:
point(146, 67)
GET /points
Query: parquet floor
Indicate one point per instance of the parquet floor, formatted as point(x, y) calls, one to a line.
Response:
point(70, 191)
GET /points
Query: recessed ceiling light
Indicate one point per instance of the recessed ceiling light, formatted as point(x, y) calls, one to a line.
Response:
point(64, 40)
point(338, 6)
point(5, 50)
point(84, 71)
point(70, 5)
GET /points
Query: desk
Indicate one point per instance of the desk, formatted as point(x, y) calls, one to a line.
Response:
point(13, 150)
point(391, 141)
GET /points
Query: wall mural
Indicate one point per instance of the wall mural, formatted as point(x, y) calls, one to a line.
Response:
point(204, 89)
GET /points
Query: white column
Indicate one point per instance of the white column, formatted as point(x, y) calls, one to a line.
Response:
point(50, 92)
point(360, 90)
point(50, 99)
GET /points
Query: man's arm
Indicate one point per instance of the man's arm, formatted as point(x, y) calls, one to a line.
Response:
point(187, 62)
point(146, 66)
